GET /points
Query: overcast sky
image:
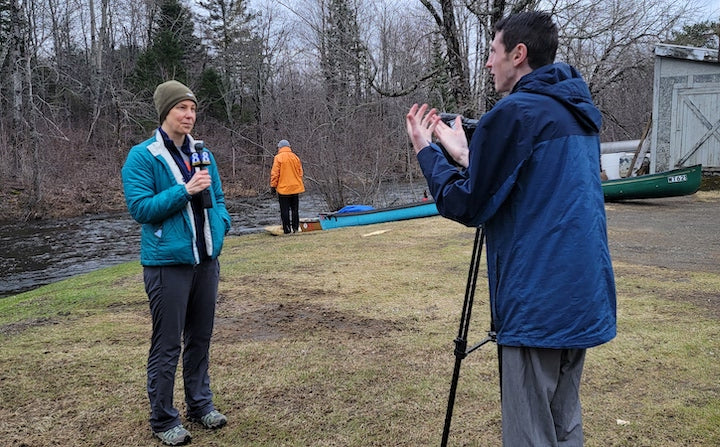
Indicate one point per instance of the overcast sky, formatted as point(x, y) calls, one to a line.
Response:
point(712, 8)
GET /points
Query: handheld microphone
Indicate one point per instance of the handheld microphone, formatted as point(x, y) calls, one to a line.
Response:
point(200, 159)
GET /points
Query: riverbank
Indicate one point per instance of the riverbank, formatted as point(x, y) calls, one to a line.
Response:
point(344, 338)
point(59, 201)
point(62, 201)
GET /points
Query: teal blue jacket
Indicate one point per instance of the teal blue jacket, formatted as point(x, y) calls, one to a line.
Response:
point(156, 198)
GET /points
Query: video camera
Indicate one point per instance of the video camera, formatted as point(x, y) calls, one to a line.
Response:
point(468, 124)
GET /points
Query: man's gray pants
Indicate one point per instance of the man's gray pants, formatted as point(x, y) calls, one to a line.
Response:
point(182, 304)
point(541, 397)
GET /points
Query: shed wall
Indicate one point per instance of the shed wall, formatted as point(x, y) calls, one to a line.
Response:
point(686, 109)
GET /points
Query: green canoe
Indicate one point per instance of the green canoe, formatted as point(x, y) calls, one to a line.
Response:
point(678, 182)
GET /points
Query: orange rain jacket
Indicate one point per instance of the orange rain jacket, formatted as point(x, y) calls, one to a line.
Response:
point(287, 173)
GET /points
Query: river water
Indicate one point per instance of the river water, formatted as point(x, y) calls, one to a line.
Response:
point(41, 252)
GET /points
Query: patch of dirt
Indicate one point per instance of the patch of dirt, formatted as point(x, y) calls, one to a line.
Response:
point(295, 311)
point(711, 302)
point(21, 326)
point(275, 320)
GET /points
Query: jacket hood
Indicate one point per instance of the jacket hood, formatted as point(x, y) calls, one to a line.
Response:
point(563, 83)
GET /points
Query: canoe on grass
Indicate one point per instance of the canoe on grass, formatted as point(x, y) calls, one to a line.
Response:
point(678, 182)
point(403, 212)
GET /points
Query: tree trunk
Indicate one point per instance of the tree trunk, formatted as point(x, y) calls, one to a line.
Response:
point(456, 59)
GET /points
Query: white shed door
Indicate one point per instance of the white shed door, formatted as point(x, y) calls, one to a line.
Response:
point(695, 135)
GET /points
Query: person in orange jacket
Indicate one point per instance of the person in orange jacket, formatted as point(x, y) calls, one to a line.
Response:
point(286, 179)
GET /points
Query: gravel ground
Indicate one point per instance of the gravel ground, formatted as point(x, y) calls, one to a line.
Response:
point(679, 233)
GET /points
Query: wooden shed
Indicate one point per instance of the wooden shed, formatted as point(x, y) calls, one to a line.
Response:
point(686, 109)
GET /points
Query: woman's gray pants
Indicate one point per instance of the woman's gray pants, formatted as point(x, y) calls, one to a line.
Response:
point(182, 304)
point(541, 397)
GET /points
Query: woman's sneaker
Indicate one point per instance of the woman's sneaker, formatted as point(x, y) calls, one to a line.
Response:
point(177, 435)
point(212, 420)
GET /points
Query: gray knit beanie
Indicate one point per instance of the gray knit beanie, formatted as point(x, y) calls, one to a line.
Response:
point(283, 143)
point(168, 94)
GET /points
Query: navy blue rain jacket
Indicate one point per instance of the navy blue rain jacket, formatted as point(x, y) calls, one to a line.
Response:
point(533, 181)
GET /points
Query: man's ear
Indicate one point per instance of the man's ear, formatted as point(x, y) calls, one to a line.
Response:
point(520, 53)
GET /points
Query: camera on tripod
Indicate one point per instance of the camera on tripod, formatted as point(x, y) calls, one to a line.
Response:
point(468, 124)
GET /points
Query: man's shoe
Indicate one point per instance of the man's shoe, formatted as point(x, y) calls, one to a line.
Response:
point(212, 420)
point(175, 436)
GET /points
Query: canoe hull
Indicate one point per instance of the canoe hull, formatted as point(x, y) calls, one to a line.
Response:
point(410, 211)
point(678, 182)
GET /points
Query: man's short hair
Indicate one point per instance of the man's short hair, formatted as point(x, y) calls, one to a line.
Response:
point(536, 30)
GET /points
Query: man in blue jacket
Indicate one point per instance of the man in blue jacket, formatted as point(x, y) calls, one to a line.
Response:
point(181, 238)
point(531, 177)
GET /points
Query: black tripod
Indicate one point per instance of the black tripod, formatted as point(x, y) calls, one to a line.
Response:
point(461, 350)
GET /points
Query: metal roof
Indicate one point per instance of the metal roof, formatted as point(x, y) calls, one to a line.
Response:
point(687, 53)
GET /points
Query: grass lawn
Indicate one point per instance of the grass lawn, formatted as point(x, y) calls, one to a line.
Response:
point(345, 338)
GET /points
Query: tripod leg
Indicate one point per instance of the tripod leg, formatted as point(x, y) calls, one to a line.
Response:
point(451, 402)
point(499, 351)
point(461, 340)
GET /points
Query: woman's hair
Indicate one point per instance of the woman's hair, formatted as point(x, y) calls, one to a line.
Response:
point(536, 30)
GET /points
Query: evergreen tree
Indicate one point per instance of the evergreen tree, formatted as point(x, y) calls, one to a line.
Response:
point(172, 51)
point(237, 58)
point(441, 95)
point(703, 34)
point(343, 56)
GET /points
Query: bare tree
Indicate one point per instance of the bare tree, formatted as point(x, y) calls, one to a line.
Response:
point(611, 43)
point(457, 58)
point(336, 123)
point(98, 49)
point(335, 77)
point(24, 156)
